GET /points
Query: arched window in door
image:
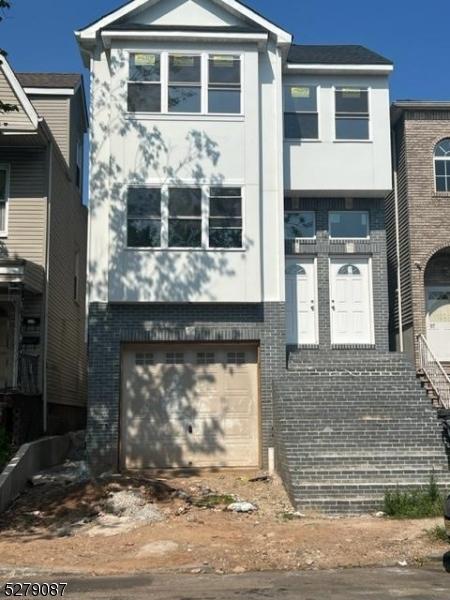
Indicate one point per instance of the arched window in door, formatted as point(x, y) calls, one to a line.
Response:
point(349, 270)
point(295, 270)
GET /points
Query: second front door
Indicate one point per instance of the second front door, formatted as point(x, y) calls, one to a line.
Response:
point(301, 301)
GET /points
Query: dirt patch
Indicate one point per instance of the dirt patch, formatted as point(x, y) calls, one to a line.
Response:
point(52, 528)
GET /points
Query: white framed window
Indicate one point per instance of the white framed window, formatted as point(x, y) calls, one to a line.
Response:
point(349, 224)
point(144, 359)
point(184, 218)
point(4, 199)
point(301, 115)
point(352, 114)
point(299, 224)
point(442, 165)
point(184, 83)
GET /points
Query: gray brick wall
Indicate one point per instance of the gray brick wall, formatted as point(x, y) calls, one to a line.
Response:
point(324, 248)
point(111, 325)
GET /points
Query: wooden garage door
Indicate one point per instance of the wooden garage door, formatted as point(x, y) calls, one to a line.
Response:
point(189, 406)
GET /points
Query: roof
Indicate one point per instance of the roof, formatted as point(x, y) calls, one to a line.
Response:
point(219, 29)
point(49, 80)
point(335, 55)
point(401, 106)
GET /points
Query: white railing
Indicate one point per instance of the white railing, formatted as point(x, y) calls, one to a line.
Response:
point(435, 372)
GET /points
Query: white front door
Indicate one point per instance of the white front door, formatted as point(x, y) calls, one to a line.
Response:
point(301, 301)
point(351, 301)
point(438, 321)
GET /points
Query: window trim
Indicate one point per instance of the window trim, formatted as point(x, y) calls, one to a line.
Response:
point(367, 212)
point(296, 212)
point(303, 112)
point(204, 84)
point(360, 88)
point(7, 168)
point(445, 160)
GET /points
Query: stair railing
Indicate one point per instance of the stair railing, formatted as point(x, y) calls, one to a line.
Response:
point(435, 372)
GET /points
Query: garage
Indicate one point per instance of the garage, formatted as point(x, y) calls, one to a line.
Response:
point(189, 406)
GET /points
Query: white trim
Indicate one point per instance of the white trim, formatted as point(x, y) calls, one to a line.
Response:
point(340, 69)
point(90, 32)
point(38, 91)
point(19, 91)
point(7, 168)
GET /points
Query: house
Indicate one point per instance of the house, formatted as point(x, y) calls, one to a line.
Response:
point(238, 301)
point(43, 233)
point(418, 225)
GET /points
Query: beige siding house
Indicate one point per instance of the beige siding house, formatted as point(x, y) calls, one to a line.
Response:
point(43, 233)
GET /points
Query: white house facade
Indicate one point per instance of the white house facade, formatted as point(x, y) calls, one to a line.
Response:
point(237, 236)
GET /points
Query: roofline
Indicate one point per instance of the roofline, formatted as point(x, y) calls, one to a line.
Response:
point(19, 91)
point(339, 69)
point(399, 107)
point(89, 33)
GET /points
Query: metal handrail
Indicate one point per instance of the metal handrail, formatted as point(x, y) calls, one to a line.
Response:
point(435, 372)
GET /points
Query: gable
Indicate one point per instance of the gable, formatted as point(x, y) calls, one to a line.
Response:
point(184, 12)
point(25, 117)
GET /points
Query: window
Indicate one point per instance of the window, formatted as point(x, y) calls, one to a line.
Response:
point(144, 359)
point(299, 225)
point(76, 277)
point(224, 84)
point(295, 270)
point(79, 165)
point(206, 358)
point(236, 358)
point(185, 87)
point(442, 166)
point(185, 218)
point(352, 114)
point(143, 217)
point(301, 119)
point(349, 270)
point(225, 217)
point(174, 358)
point(349, 224)
point(4, 193)
point(144, 86)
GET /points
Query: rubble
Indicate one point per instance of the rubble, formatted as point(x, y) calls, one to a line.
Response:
point(68, 473)
point(242, 507)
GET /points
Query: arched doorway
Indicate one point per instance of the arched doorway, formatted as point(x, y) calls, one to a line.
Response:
point(437, 297)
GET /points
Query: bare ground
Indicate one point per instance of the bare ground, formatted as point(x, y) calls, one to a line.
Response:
point(57, 528)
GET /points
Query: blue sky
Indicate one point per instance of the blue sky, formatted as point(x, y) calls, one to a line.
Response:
point(38, 34)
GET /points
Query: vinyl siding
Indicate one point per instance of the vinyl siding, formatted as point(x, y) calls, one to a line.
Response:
point(56, 111)
point(15, 119)
point(66, 354)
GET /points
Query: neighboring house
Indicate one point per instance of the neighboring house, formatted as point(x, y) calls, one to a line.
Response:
point(43, 236)
point(238, 302)
point(419, 231)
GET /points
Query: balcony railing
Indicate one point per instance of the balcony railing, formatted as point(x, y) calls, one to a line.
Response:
point(435, 372)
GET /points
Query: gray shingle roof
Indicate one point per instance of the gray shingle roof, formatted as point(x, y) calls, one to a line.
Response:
point(49, 80)
point(335, 55)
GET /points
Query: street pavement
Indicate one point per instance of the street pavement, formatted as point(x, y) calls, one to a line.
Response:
point(428, 583)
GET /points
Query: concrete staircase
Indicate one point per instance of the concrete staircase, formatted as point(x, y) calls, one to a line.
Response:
point(350, 426)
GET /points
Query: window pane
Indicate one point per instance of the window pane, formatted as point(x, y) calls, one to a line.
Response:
point(144, 97)
point(143, 233)
point(225, 238)
point(218, 223)
point(441, 184)
point(224, 101)
point(352, 129)
point(440, 167)
point(186, 233)
point(443, 148)
point(184, 69)
point(299, 225)
point(2, 184)
point(144, 202)
point(185, 202)
point(184, 99)
point(225, 207)
point(352, 101)
point(2, 216)
point(224, 69)
point(349, 224)
point(300, 99)
point(301, 126)
point(222, 192)
point(145, 67)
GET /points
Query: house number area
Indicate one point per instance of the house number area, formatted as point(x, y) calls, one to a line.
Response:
point(33, 590)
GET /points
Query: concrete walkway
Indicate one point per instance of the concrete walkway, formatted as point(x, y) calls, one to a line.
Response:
point(431, 583)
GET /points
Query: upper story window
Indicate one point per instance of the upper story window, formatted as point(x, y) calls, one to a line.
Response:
point(301, 118)
point(442, 165)
point(349, 224)
point(144, 85)
point(185, 218)
point(4, 193)
point(352, 114)
point(225, 217)
point(224, 84)
point(184, 83)
point(144, 217)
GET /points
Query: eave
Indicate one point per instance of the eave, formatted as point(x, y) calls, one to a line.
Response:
point(330, 69)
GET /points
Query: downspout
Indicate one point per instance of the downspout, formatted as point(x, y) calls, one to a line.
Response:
point(47, 265)
point(397, 240)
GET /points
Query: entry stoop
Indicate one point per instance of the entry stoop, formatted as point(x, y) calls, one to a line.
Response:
point(348, 428)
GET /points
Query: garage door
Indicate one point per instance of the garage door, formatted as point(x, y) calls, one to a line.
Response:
point(189, 406)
